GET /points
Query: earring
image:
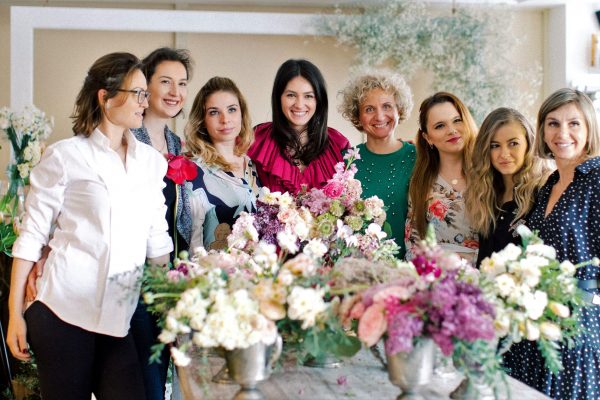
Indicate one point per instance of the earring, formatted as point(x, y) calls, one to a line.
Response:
point(431, 146)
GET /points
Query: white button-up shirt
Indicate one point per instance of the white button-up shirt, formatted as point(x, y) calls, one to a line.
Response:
point(108, 217)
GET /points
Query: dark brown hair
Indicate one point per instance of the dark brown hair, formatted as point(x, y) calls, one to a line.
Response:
point(109, 72)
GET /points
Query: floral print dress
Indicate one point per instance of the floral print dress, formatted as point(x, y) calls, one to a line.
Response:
point(446, 212)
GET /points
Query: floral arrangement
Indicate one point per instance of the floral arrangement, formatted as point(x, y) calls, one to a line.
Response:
point(535, 295)
point(437, 298)
point(410, 38)
point(26, 132)
point(335, 217)
point(232, 299)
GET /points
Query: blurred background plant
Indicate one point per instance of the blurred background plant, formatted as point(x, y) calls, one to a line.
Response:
point(467, 52)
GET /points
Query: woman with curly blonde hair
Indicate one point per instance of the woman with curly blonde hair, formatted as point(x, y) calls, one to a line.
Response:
point(444, 149)
point(505, 177)
point(218, 135)
point(376, 101)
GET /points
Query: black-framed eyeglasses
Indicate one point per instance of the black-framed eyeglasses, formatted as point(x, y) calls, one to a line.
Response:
point(141, 94)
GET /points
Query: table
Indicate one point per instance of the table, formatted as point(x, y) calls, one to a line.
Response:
point(361, 377)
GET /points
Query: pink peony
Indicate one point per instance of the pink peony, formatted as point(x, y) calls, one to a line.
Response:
point(333, 189)
point(372, 325)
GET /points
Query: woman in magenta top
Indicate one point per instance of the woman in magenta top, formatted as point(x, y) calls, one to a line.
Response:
point(297, 149)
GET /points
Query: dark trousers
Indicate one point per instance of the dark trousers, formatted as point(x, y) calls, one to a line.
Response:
point(74, 363)
point(145, 331)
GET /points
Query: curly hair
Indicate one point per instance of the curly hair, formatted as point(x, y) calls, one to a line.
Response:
point(368, 79)
point(198, 140)
point(483, 197)
point(427, 164)
point(558, 99)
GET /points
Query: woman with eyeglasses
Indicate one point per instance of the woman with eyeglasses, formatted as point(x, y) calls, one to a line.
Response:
point(444, 148)
point(102, 192)
point(297, 150)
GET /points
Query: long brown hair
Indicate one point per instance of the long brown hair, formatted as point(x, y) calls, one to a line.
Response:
point(109, 72)
point(427, 164)
point(483, 196)
point(198, 140)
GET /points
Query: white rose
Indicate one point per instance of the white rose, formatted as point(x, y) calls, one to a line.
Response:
point(535, 303)
point(288, 241)
point(532, 331)
point(550, 331)
point(505, 284)
point(305, 304)
point(559, 309)
point(179, 357)
point(524, 231)
point(542, 250)
point(315, 248)
point(167, 336)
point(567, 267)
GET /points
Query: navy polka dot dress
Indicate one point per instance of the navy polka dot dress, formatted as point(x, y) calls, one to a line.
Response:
point(573, 229)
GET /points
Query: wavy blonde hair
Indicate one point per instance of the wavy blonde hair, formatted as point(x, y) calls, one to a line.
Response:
point(198, 140)
point(483, 196)
point(427, 164)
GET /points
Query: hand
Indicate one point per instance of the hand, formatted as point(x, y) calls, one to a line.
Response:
point(34, 274)
point(16, 338)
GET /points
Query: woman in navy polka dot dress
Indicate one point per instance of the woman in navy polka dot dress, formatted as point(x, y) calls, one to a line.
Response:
point(567, 215)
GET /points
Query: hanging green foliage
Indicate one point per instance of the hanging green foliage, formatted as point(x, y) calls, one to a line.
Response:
point(467, 51)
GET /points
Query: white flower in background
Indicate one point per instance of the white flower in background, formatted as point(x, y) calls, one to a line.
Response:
point(524, 231)
point(532, 331)
point(505, 284)
point(305, 304)
point(285, 277)
point(541, 250)
point(179, 357)
point(167, 336)
point(374, 207)
point(535, 303)
point(243, 231)
point(265, 258)
point(301, 265)
point(4, 118)
point(288, 241)
point(529, 269)
point(374, 230)
point(567, 267)
point(559, 309)
point(502, 322)
point(24, 170)
point(550, 331)
point(315, 248)
point(510, 253)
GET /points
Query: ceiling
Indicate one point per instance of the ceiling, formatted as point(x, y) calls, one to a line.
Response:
point(266, 3)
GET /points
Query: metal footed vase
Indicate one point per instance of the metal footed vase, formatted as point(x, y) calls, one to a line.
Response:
point(411, 371)
point(473, 389)
point(250, 366)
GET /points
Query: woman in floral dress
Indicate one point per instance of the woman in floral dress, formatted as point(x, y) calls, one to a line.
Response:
point(218, 135)
point(567, 215)
point(444, 148)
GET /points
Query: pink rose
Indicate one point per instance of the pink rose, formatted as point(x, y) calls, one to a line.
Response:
point(357, 310)
point(333, 189)
point(372, 325)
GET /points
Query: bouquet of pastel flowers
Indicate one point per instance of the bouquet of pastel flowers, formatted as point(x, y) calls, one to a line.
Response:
point(335, 216)
point(233, 299)
point(535, 296)
point(436, 298)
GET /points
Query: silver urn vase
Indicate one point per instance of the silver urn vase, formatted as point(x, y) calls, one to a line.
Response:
point(250, 366)
point(411, 371)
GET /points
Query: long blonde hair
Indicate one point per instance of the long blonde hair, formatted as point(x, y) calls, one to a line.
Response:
point(483, 196)
point(198, 140)
point(427, 164)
